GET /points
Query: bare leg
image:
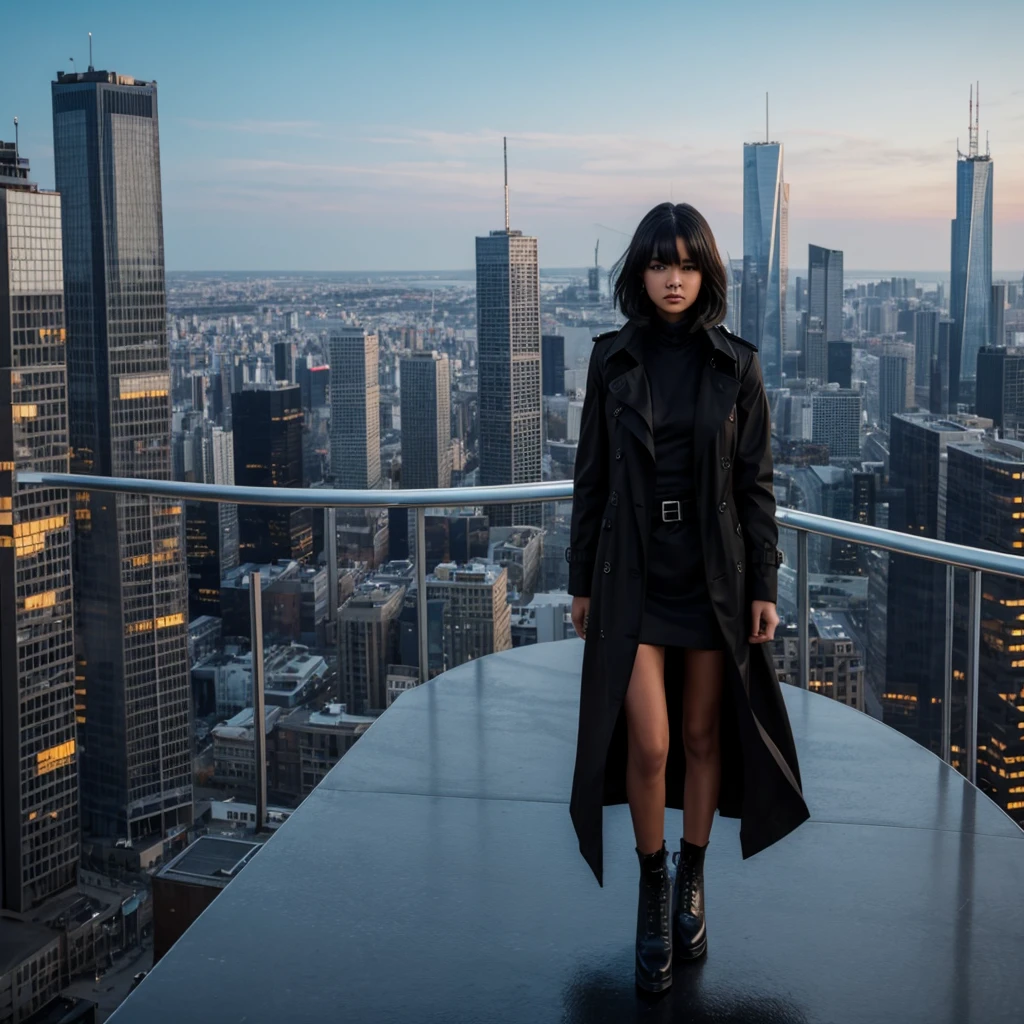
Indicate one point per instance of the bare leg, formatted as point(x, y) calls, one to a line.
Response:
point(702, 698)
point(647, 729)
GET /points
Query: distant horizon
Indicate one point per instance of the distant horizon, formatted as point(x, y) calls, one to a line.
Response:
point(881, 273)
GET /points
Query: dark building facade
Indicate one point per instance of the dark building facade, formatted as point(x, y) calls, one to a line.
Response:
point(508, 347)
point(39, 835)
point(984, 503)
point(912, 701)
point(1000, 394)
point(840, 363)
point(267, 438)
point(129, 559)
point(825, 290)
point(553, 364)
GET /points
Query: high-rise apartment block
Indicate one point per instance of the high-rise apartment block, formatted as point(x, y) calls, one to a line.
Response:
point(368, 641)
point(895, 381)
point(912, 700)
point(765, 251)
point(39, 835)
point(836, 420)
point(355, 408)
point(426, 420)
point(131, 596)
point(479, 622)
point(984, 498)
point(508, 353)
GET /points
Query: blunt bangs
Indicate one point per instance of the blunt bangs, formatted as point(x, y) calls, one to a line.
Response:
point(655, 239)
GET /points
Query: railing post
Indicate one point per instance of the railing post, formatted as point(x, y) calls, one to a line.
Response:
point(973, 664)
point(947, 673)
point(259, 736)
point(421, 594)
point(803, 610)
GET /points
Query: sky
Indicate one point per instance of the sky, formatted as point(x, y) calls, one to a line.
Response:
point(367, 136)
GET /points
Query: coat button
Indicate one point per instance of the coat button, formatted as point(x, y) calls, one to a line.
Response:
point(613, 498)
point(607, 524)
point(712, 363)
point(602, 634)
point(617, 410)
point(607, 567)
point(739, 530)
point(618, 453)
point(732, 415)
point(723, 507)
point(726, 462)
point(739, 566)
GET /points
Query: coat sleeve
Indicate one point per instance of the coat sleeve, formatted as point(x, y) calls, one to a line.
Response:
point(752, 484)
point(590, 483)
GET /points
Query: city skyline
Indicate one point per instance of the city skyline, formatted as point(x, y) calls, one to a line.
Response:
point(868, 156)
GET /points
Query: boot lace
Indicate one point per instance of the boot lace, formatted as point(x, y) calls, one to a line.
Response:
point(657, 907)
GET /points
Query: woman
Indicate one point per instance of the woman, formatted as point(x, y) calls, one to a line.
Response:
point(673, 564)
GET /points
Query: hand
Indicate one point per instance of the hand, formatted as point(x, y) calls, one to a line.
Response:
point(763, 620)
point(580, 613)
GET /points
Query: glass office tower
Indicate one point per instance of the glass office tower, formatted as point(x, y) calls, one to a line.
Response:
point(765, 251)
point(129, 558)
point(508, 343)
point(39, 838)
point(970, 278)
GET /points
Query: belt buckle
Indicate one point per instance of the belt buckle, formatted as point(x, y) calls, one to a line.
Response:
point(666, 511)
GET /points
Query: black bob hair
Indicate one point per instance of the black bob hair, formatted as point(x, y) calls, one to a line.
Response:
point(655, 238)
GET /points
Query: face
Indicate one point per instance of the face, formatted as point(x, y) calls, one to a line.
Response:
point(673, 288)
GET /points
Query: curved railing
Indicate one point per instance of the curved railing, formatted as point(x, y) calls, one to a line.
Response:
point(953, 556)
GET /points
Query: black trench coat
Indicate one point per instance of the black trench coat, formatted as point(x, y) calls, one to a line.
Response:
point(612, 500)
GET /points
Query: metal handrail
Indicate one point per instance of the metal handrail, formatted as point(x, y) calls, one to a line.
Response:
point(975, 560)
point(960, 555)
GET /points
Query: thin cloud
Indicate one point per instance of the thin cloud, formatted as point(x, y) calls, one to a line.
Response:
point(253, 126)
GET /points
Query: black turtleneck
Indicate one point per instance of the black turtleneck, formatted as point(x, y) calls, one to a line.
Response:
point(673, 358)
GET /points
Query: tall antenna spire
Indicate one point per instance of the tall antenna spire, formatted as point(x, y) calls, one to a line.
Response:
point(15, 147)
point(91, 68)
point(767, 137)
point(504, 146)
point(972, 127)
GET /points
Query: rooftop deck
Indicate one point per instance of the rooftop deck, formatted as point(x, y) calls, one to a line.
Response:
point(434, 877)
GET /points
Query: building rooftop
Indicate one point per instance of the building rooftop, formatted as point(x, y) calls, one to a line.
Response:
point(210, 860)
point(20, 940)
point(465, 896)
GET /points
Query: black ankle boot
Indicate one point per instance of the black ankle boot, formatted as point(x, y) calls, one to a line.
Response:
point(689, 933)
point(653, 924)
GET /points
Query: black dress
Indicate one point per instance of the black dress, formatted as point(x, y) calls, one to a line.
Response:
point(677, 607)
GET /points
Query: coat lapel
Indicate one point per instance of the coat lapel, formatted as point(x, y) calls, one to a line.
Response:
point(631, 388)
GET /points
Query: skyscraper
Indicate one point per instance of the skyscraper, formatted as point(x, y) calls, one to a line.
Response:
point(926, 347)
point(267, 444)
point(39, 837)
point(211, 528)
point(895, 381)
point(765, 248)
point(941, 399)
point(553, 364)
point(355, 408)
point(970, 278)
point(825, 289)
point(131, 597)
point(426, 420)
point(508, 344)
point(815, 350)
